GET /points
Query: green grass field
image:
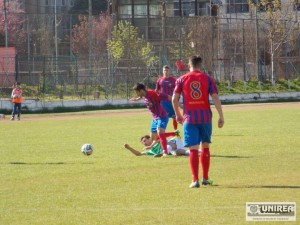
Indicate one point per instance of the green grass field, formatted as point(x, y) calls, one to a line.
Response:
point(45, 179)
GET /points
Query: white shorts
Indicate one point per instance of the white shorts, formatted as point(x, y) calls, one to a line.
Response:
point(178, 142)
point(179, 145)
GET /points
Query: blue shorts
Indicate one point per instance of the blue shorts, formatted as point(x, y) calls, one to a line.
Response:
point(194, 134)
point(167, 105)
point(159, 123)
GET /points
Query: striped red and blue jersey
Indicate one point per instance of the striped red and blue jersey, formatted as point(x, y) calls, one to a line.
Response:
point(195, 88)
point(165, 85)
point(152, 101)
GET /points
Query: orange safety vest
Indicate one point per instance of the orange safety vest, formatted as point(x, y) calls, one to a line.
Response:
point(17, 95)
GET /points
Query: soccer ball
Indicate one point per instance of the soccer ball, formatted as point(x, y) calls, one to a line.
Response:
point(87, 149)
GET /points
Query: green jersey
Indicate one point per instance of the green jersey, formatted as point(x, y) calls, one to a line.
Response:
point(155, 150)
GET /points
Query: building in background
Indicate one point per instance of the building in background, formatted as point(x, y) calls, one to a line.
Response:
point(46, 6)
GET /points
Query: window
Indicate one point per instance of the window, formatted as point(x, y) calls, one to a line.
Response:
point(140, 11)
point(125, 2)
point(155, 10)
point(297, 5)
point(187, 7)
point(237, 6)
point(125, 11)
point(140, 2)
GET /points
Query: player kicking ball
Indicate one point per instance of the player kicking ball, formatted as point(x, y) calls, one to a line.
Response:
point(160, 117)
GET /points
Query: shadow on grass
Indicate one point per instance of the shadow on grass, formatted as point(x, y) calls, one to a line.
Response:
point(258, 186)
point(231, 156)
point(45, 163)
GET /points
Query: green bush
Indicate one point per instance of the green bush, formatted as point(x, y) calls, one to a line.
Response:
point(254, 86)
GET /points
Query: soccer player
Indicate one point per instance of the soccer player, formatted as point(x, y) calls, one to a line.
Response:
point(166, 85)
point(16, 96)
point(160, 117)
point(174, 146)
point(195, 88)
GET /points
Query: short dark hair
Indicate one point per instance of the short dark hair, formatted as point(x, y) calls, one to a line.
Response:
point(145, 136)
point(17, 83)
point(166, 67)
point(139, 86)
point(195, 61)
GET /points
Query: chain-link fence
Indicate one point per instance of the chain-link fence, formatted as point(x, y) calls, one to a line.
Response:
point(69, 59)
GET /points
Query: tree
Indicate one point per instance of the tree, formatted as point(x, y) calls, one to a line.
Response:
point(81, 35)
point(15, 22)
point(278, 21)
point(89, 42)
point(194, 36)
point(125, 44)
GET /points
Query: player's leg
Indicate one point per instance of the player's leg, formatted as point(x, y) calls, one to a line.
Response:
point(191, 140)
point(206, 131)
point(19, 108)
point(170, 134)
point(182, 152)
point(161, 127)
point(167, 105)
point(153, 130)
point(154, 136)
point(13, 111)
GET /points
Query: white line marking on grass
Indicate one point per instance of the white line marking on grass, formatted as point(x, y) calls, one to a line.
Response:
point(115, 209)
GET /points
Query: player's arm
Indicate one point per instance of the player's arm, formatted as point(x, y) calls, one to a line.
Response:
point(12, 93)
point(134, 99)
point(20, 94)
point(152, 144)
point(218, 105)
point(132, 150)
point(157, 86)
point(176, 106)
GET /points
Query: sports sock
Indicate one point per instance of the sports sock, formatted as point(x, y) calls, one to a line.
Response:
point(170, 134)
point(163, 142)
point(205, 162)
point(194, 164)
point(175, 124)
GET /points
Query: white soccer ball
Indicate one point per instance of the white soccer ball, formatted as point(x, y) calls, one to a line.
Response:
point(87, 149)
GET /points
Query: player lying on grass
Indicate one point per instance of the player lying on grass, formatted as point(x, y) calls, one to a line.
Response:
point(174, 146)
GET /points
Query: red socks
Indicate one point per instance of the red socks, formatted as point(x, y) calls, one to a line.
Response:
point(205, 161)
point(194, 164)
point(170, 134)
point(163, 142)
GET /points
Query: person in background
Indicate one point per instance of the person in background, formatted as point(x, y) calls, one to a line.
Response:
point(17, 97)
point(166, 85)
